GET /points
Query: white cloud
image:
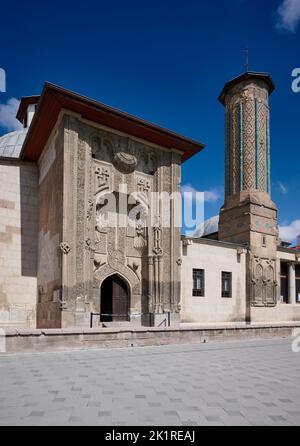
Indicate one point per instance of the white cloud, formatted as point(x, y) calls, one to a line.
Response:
point(289, 15)
point(210, 196)
point(283, 188)
point(290, 232)
point(8, 113)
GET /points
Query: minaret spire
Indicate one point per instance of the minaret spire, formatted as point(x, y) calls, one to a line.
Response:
point(247, 60)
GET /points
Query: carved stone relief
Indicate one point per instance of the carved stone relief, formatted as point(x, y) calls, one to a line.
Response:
point(99, 260)
point(102, 178)
point(102, 161)
point(65, 247)
point(124, 153)
point(263, 282)
point(157, 241)
point(135, 266)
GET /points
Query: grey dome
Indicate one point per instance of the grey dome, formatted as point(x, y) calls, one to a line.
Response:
point(210, 226)
point(11, 143)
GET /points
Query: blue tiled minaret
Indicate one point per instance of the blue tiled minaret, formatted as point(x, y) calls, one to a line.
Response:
point(249, 217)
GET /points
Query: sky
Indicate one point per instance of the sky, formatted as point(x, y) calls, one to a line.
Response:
point(166, 62)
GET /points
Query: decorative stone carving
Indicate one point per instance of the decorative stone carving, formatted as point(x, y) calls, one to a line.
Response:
point(148, 162)
point(125, 272)
point(125, 162)
point(99, 260)
point(263, 282)
point(157, 246)
point(140, 242)
point(143, 185)
point(102, 146)
point(90, 209)
point(134, 266)
point(65, 248)
point(102, 176)
point(116, 258)
point(102, 160)
point(88, 245)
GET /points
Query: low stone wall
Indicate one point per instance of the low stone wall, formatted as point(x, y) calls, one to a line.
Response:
point(28, 341)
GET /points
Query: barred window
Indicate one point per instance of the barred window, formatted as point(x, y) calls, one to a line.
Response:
point(226, 285)
point(198, 283)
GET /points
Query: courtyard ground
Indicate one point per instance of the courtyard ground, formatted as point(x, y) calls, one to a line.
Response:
point(237, 383)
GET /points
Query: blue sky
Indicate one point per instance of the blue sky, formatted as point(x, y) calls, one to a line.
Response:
point(165, 61)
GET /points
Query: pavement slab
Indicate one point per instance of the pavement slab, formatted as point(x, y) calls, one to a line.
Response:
point(238, 383)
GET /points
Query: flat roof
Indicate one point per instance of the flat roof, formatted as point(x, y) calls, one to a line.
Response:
point(209, 241)
point(53, 99)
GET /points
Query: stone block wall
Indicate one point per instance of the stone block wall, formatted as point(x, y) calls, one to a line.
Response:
point(18, 243)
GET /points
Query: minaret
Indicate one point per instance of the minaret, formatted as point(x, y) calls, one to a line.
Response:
point(249, 216)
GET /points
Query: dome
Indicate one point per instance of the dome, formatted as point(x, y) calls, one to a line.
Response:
point(11, 143)
point(210, 226)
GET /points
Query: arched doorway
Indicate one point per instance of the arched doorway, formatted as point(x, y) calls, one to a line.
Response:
point(115, 300)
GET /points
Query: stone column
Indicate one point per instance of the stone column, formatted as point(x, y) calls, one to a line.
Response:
point(292, 284)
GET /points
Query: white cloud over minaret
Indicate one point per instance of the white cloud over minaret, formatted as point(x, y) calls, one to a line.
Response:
point(8, 113)
point(290, 232)
point(289, 15)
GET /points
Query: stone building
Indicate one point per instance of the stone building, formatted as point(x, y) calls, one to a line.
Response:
point(71, 169)
point(59, 263)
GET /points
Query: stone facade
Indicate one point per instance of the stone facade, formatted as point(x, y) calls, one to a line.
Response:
point(81, 252)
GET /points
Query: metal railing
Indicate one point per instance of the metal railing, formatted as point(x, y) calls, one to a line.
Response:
point(166, 322)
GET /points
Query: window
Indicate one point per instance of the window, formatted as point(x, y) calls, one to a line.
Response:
point(297, 284)
point(198, 283)
point(284, 283)
point(264, 241)
point(227, 285)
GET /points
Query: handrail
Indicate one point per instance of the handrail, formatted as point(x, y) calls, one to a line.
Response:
point(163, 322)
point(166, 321)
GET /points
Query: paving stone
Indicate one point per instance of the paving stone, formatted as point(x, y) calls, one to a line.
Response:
point(37, 414)
point(241, 383)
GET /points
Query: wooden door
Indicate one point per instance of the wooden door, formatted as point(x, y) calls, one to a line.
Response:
point(120, 299)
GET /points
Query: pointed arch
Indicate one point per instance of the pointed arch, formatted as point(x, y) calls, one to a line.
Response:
point(115, 299)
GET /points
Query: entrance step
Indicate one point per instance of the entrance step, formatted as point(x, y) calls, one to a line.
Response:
point(116, 324)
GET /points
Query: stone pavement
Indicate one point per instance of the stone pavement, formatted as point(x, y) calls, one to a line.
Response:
point(238, 383)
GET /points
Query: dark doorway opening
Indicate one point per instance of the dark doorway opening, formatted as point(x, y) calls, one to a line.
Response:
point(115, 300)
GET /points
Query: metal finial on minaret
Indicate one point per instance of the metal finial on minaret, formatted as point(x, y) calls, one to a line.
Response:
point(247, 60)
